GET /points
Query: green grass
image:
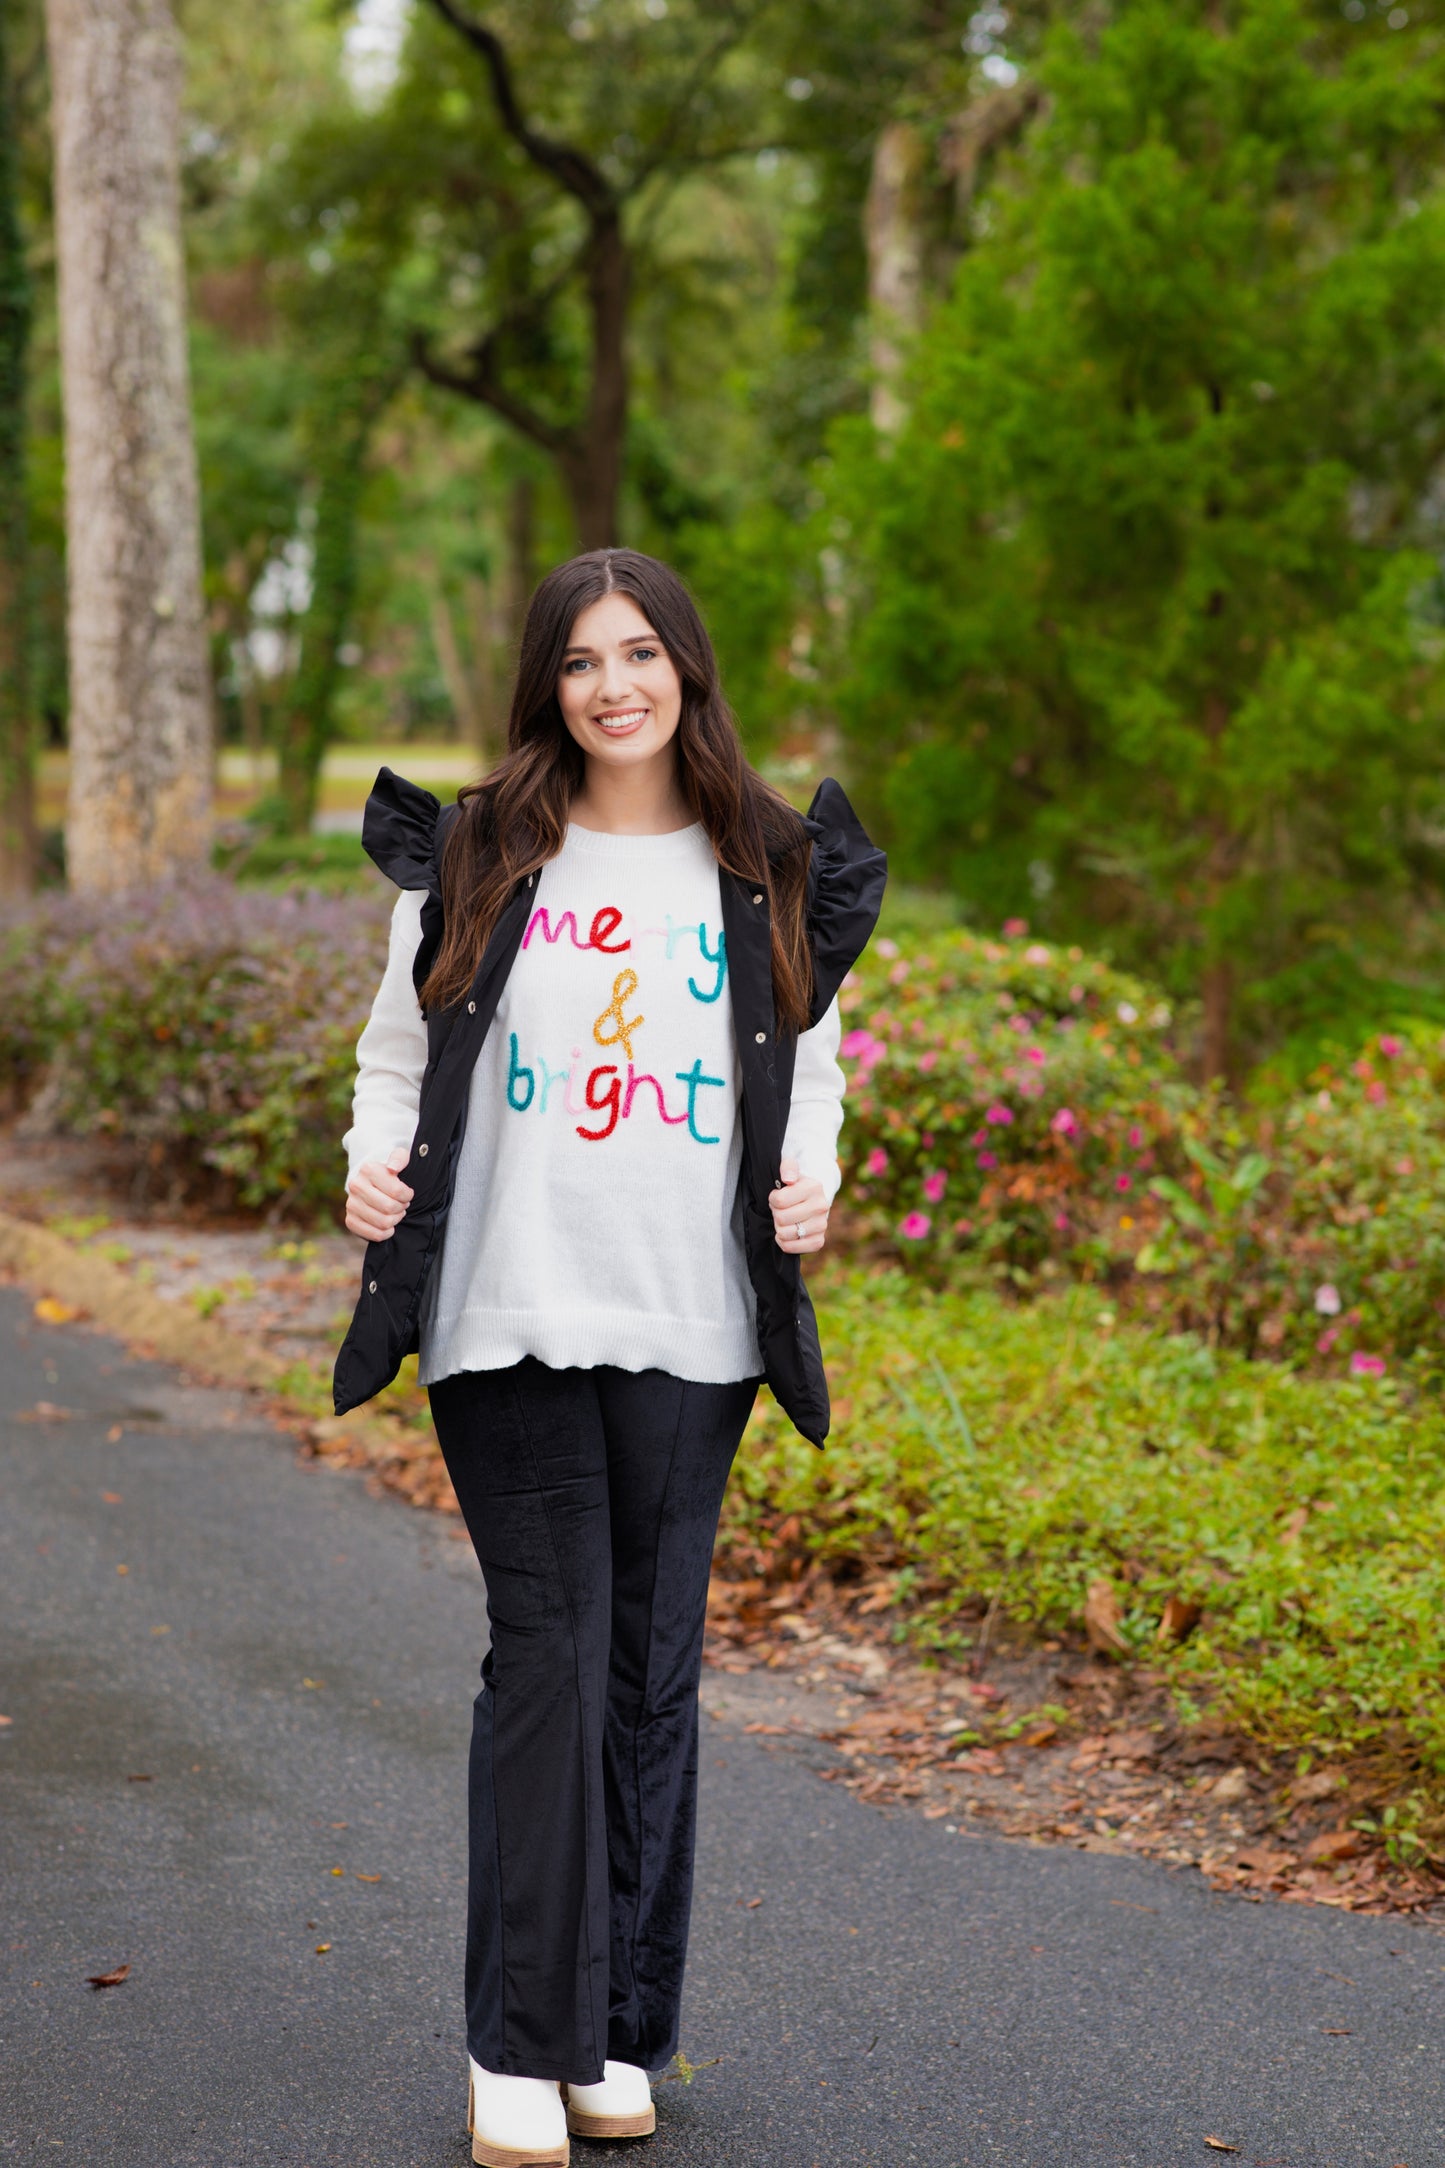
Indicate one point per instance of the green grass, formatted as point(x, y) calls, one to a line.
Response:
point(991, 1452)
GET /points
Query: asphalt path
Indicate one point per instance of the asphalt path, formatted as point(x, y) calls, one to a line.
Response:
point(288, 1662)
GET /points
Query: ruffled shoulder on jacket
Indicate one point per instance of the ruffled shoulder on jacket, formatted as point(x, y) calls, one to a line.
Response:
point(847, 874)
point(403, 830)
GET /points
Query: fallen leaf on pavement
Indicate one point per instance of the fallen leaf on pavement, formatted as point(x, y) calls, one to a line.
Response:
point(751, 1904)
point(322, 1948)
point(1221, 2145)
point(1101, 1620)
point(1042, 1736)
point(108, 1979)
point(114, 1435)
point(368, 1878)
point(6, 1720)
point(44, 1411)
point(110, 1497)
point(1338, 2032)
point(51, 1312)
point(771, 1731)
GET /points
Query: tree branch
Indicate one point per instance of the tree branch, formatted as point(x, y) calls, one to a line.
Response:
point(482, 384)
point(572, 169)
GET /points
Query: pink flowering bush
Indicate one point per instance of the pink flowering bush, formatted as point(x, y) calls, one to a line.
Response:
point(1005, 1099)
point(1356, 1234)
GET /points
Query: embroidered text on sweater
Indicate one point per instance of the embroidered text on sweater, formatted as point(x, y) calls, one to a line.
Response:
point(594, 1218)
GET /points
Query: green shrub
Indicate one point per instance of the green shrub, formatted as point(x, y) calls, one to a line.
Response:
point(211, 1028)
point(987, 1450)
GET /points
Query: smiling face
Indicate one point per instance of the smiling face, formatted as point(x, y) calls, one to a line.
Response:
point(619, 692)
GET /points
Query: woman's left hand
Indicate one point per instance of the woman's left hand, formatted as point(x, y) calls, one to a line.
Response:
point(800, 1212)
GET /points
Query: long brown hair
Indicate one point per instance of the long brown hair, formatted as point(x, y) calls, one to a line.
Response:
point(515, 819)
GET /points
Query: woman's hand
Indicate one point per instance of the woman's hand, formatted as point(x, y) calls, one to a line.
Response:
point(376, 1198)
point(800, 1212)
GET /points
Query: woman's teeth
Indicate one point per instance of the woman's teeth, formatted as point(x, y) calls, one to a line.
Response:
point(629, 721)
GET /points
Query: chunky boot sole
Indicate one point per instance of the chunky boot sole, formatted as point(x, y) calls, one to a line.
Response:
point(583, 2125)
point(487, 2154)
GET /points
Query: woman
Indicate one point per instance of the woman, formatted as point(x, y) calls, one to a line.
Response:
point(604, 1053)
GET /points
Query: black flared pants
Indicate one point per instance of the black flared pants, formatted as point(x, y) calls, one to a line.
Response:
point(592, 1498)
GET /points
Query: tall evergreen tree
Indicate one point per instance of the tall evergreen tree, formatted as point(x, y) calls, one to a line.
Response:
point(1146, 608)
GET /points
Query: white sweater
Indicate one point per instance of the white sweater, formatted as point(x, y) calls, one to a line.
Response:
point(595, 1217)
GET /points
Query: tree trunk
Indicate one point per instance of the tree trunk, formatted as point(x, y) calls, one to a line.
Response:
point(307, 719)
point(1218, 992)
point(18, 853)
point(140, 706)
point(893, 232)
point(593, 466)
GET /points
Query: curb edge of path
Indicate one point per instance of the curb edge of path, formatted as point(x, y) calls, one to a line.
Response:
point(46, 1263)
point(112, 1300)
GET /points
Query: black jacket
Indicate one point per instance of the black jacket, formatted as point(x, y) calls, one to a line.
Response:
point(404, 831)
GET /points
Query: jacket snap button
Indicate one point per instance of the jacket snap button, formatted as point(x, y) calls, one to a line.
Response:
point(422, 1150)
point(471, 1008)
point(757, 899)
point(761, 1037)
point(371, 1290)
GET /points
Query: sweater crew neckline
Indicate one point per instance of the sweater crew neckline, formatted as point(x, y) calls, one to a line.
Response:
point(603, 843)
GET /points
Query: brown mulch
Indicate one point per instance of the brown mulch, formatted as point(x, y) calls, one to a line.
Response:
point(1057, 1743)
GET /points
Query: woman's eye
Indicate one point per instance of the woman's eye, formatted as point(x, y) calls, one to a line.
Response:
point(643, 654)
point(576, 665)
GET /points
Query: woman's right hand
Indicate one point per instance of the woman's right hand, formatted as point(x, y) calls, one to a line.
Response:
point(376, 1197)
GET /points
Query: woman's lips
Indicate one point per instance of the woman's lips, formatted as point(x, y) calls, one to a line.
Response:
point(623, 723)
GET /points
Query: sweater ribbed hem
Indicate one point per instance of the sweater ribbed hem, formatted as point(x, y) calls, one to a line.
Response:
point(698, 1349)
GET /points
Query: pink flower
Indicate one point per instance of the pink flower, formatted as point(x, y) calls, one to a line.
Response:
point(855, 1043)
point(1076, 993)
point(1123, 1181)
point(1367, 1366)
point(928, 1061)
point(1034, 1054)
point(963, 1227)
point(980, 1136)
point(877, 1161)
point(1136, 1136)
point(1061, 1223)
point(1376, 1093)
point(1390, 1046)
point(934, 1185)
point(885, 947)
point(1038, 954)
point(899, 972)
point(915, 1227)
point(1031, 1087)
point(1015, 928)
point(1064, 1124)
point(926, 1140)
point(988, 1159)
point(1327, 1340)
point(999, 1116)
point(1327, 1300)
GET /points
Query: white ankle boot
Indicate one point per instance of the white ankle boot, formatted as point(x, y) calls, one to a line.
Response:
point(516, 2122)
point(620, 2106)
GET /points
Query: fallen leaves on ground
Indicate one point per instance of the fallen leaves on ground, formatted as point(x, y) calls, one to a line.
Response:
point(1101, 1620)
point(50, 1311)
point(108, 1979)
point(1221, 2145)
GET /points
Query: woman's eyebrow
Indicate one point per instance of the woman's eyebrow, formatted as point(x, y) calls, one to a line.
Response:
point(634, 639)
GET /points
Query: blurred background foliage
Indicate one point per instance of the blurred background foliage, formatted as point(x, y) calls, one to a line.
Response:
point(1046, 402)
